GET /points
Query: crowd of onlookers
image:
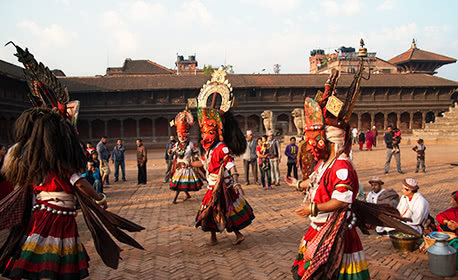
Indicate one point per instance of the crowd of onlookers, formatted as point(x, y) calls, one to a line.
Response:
point(264, 154)
point(98, 168)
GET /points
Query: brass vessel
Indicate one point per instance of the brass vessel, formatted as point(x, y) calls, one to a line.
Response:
point(403, 243)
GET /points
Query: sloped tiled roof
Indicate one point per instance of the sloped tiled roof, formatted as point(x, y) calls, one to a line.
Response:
point(11, 70)
point(415, 54)
point(135, 67)
point(163, 82)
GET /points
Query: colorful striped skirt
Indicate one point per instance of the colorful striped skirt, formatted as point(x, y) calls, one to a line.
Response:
point(241, 216)
point(50, 249)
point(185, 179)
point(353, 266)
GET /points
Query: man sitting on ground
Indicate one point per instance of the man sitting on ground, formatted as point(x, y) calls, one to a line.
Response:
point(413, 205)
point(378, 195)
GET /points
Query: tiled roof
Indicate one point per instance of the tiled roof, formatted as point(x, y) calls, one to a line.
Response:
point(135, 67)
point(11, 70)
point(414, 54)
point(163, 82)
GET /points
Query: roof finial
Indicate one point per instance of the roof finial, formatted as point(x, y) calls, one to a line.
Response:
point(414, 44)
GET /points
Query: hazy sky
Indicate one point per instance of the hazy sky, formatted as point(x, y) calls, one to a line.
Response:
point(83, 37)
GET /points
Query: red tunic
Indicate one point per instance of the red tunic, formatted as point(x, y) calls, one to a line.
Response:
point(449, 214)
point(242, 213)
point(340, 182)
point(52, 248)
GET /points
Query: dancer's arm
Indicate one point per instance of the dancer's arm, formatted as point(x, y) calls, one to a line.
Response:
point(84, 186)
point(328, 206)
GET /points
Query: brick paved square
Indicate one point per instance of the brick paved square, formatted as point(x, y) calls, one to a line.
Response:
point(175, 249)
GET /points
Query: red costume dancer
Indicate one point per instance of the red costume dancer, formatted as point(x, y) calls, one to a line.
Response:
point(331, 248)
point(45, 163)
point(185, 178)
point(223, 206)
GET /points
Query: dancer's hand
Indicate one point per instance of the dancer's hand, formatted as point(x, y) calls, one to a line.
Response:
point(304, 211)
point(239, 186)
point(291, 181)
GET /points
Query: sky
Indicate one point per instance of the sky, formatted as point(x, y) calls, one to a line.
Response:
point(84, 37)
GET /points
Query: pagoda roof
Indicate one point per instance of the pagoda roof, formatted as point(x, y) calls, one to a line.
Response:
point(415, 54)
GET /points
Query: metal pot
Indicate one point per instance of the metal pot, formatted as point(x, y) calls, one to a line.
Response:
point(442, 256)
point(404, 243)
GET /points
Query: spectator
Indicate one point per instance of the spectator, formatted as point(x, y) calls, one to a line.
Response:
point(291, 153)
point(118, 160)
point(169, 159)
point(95, 159)
point(141, 162)
point(369, 140)
point(378, 195)
point(5, 186)
point(89, 150)
point(448, 220)
point(92, 175)
point(375, 133)
point(354, 135)
point(300, 153)
point(264, 162)
point(420, 149)
point(396, 140)
point(275, 158)
point(249, 158)
point(104, 156)
point(388, 138)
point(413, 205)
point(362, 139)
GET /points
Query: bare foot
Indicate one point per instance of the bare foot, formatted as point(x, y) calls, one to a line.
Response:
point(186, 198)
point(174, 202)
point(212, 242)
point(239, 240)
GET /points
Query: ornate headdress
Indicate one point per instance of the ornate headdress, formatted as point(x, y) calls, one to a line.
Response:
point(327, 116)
point(210, 117)
point(183, 122)
point(45, 89)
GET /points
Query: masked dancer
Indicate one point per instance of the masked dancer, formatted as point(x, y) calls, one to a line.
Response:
point(45, 165)
point(223, 206)
point(184, 152)
point(331, 248)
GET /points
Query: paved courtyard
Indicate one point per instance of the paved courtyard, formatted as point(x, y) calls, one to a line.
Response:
point(175, 249)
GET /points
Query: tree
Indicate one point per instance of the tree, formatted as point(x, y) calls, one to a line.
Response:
point(277, 68)
point(228, 68)
point(208, 69)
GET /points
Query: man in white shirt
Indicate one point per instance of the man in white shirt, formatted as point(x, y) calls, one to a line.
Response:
point(372, 197)
point(354, 135)
point(413, 205)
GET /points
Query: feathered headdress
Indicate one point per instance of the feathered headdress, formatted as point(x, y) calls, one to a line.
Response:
point(46, 91)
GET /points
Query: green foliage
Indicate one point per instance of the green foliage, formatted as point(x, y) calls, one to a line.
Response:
point(208, 69)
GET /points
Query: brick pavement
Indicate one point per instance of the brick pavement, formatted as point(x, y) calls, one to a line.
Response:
point(175, 249)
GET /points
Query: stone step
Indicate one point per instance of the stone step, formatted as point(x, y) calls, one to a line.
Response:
point(442, 126)
point(437, 133)
point(444, 129)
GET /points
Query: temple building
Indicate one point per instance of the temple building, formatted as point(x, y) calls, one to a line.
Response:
point(140, 99)
point(346, 60)
point(419, 61)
